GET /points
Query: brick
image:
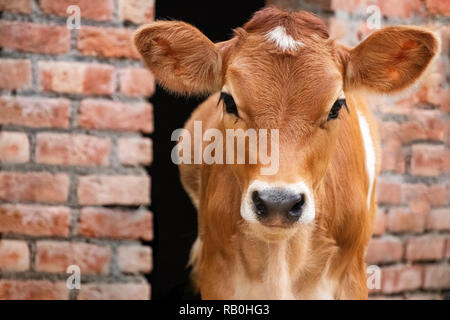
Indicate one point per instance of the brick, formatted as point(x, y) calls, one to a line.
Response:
point(422, 125)
point(52, 256)
point(34, 220)
point(34, 186)
point(388, 192)
point(134, 259)
point(136, 11)
point(438, 7)
point(401, 8)
point(429, 160)
point(115, 291)
point(118, 224)
point(14, 255)
point(353, 6)
point(14, 147)
point(401, 278)
point(135, 151)
point(439, 219)
point(17, 6)
point(36, 38)
point(100, 10)
point(447, 248)
point(72, 149)
point(421, 197)
point(405, 220)
point(121, 190)
point(379, 226)
point(393, 158)
point(33, 290)
point(77, 77)
point(104, 114)
point(383, 250)
point(34, 112)
point(15, 74)
point(107, 42)
point(437, 277)
point(338, 29)
point(422, 296)
point(137, 82)
point(428, 247)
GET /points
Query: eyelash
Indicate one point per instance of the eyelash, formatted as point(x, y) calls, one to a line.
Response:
point(334, 112)
point(230, 105)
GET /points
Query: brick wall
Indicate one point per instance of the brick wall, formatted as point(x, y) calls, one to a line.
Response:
point(412, 233)
point(74, 127)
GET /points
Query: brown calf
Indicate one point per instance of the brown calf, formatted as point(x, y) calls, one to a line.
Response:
point(300, 233)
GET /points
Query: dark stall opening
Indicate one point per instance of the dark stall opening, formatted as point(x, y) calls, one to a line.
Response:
point(175, 219)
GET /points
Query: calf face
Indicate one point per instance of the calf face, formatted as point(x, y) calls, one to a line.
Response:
point(282, 71)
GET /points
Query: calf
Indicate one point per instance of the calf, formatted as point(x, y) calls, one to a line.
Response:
point(301, 232)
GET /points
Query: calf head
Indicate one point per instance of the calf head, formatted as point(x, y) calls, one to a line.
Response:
point(282, 71)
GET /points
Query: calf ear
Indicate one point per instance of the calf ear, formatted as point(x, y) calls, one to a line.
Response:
point(390, 59)
point(182, 59)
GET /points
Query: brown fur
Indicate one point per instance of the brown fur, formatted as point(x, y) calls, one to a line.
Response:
point(292, 91)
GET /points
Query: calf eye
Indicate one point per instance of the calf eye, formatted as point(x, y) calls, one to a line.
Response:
point(334, 112)
point(230, 105)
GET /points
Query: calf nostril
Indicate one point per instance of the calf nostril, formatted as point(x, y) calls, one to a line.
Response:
point(259, 203)
point(296, 209)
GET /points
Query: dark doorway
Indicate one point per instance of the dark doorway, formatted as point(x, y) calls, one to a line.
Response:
point(174, 216)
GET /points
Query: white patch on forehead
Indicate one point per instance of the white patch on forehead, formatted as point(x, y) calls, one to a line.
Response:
point(282, 39)
point(369, 153)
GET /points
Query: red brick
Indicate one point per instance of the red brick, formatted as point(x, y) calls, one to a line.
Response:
point(135, 151)
point(136, 11)
point(15, 74)
point(33, 290)
point(36, 38)
point(401, 278)
point(428, 247)
point(338, 29)
point(422, 296)
point(34, 186)
point(121, 190)
point(393, 158)
point(388, 192)
point(401, 8)
point(107, 42)
point(104, 114)
point(52, 256)
point(447, 246)
point(422, 125)
point(136, 82)
point(380, 222)
point(72, 149)
point(134, 259)
point(34, 220)
point(429, 160)
point(17, 6)
point(77, 77)
point(438, 7)
point(383, 250)
point(115, 291)
point(349, 5)
point(100, 10)
point(439, 219)
point(14, 147)
point(404, 220)
point(34, 112)
point(14, 255)
point(119, 224)
point(420, 197)
point(437, 277)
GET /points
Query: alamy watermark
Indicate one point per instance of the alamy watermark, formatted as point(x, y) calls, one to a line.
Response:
point(235, 140)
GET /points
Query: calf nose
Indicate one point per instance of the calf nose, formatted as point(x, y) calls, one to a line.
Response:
point(281, 204)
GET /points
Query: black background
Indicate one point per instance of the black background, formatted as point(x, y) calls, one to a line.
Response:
point(174, 216)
